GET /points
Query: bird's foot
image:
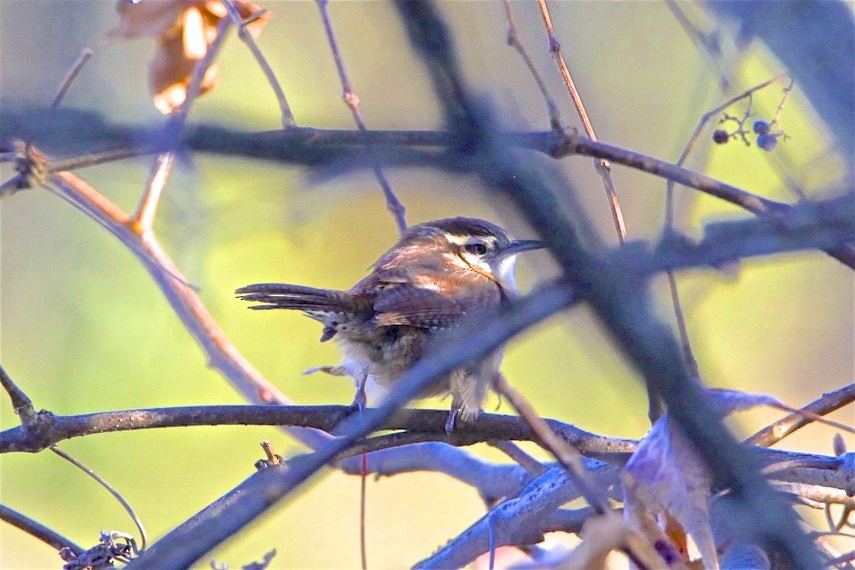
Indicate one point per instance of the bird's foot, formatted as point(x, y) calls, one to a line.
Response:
point(451, 421)
point(331, 370)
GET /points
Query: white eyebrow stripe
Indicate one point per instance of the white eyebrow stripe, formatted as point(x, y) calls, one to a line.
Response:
point(463, 240)
point(459, 240)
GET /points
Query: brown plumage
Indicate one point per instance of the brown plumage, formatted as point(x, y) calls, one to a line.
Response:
point(437, 274)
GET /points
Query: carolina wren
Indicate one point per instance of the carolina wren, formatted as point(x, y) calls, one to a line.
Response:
point(437, 274)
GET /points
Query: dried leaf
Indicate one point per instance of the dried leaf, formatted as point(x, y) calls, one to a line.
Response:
point(667, 486)
point(729, 401)
point(183, 30)
point(666, 476)
point(170, 74)
point(150, 19)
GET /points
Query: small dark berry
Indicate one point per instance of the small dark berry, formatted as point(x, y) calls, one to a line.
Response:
point(760, 127)
point(720, 136)
point(767, 141)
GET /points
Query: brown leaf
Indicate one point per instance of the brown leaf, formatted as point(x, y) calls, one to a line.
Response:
point(170, 73)
point(183, 30)
point(150, 19)
point(666, 476)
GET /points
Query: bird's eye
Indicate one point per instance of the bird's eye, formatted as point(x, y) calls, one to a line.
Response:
point(475, 248)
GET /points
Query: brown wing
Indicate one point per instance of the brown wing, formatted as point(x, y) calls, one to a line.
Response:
point(404, 304)
point(426, 298)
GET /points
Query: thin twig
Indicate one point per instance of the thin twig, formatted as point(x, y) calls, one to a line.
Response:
point(143, 220)
point(669, 186)
point(603, 167)
point(393, 204)
point(109, 488)
point(790, 423)
point(815, 418)
point(181, 548)
point(21, 403)
point(621, 301)
point(272, 458)
point(363, 505)
point(286, 115)
point(174, 126)
point(679, 315)
point(842, 521)
point(569, 458)
point(184, 300)
point(776, 119)
point(515, 42)
point(69, 78)
point(38, 530)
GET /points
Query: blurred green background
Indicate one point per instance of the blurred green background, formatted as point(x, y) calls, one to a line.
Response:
point(84, 329)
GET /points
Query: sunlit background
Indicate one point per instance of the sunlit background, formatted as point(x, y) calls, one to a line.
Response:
point(84, 329)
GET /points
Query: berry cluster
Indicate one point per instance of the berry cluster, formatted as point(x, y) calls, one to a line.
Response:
point(767, 138)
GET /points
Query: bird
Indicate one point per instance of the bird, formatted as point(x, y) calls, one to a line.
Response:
point(437, 274)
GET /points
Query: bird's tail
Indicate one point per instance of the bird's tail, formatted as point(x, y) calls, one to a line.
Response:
point(297, 297)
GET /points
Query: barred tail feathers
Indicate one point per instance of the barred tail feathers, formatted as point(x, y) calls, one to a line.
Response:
point(297, 297)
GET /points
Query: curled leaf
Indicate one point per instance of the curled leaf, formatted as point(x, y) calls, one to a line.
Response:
point(183, 31)
point(666, 479)
point(667, 486)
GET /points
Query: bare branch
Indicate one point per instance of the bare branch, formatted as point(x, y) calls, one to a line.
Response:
point(143, 220)
point(184, 300)
point(351, 99)
point(622, 303)
point(453, 349)
point(790, 423)
point(21, 403)
point(69, 78)
point(38, 530)
point(315, 147)
point(515, 42)
point(602, 166)
point(287, 116)
point(518, 521)
point(430, 423)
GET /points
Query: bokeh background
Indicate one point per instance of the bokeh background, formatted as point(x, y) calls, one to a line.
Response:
point(84, 329)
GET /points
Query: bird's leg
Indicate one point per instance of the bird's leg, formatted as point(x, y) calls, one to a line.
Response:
point(359, 399)
point(451, 421)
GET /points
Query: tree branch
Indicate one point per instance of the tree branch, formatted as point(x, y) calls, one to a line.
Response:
point(622, 303)
point(38, 530)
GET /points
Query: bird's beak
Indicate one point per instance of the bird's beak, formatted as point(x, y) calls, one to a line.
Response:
point(521, 245)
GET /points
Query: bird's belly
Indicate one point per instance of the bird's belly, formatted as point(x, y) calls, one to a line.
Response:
point(385, 353)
